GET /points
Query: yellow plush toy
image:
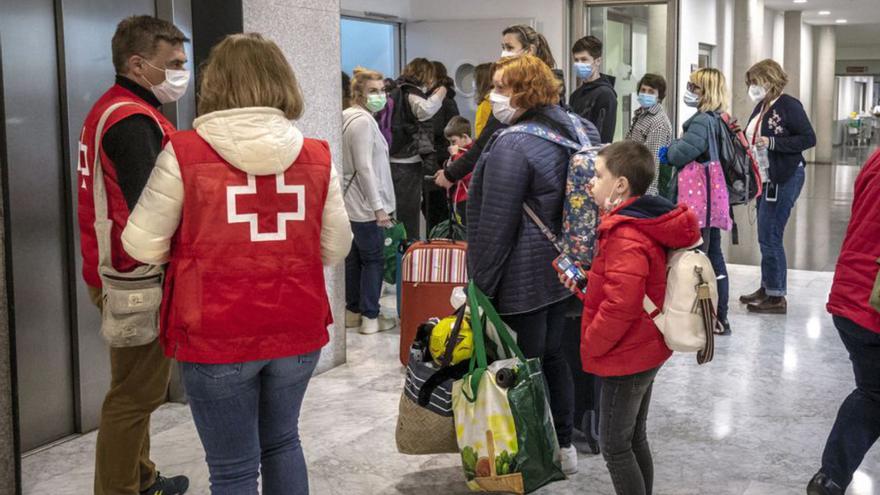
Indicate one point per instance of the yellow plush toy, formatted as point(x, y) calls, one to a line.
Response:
point(464, 348)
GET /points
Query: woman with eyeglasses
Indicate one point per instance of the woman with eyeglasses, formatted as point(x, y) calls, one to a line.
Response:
point(707, 92)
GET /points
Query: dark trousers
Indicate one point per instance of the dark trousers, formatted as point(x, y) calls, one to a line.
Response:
point(435, 205)
point(712, 247)
point(858, 421)
point(623, 435)
point(586, 385)
point(539, 335)
point(138, 386)
point(408, 179)
point(772, 218)
point(363, 269)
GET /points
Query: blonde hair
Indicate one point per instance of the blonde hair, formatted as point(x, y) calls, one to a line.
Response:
point(247, 70)
point(715, 97)
point(360, 77)
point(768, 72)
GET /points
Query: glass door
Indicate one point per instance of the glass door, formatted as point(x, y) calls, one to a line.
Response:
point(638, 37)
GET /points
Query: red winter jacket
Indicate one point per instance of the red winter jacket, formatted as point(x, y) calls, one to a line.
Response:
point(618, 337)
point(857, 265)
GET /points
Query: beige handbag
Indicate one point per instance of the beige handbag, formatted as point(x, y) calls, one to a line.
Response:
point(131, 300)
point(875, 293)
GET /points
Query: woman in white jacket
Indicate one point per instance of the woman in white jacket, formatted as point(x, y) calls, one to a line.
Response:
point(369, 200)
point(245, 211)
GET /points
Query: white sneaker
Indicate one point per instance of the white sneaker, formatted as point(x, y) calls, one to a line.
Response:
point(568, 457)
point(376, 325)
point(352, 319)
point(386, 323)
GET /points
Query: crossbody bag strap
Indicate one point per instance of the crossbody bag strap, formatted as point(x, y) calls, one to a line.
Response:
point(99, 188)
point(355, 174)
point(543, 227)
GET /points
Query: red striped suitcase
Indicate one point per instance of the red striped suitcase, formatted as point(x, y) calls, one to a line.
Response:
point(430, 270)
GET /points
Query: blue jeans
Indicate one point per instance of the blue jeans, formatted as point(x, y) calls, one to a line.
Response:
point(772, 217)
point(247, 416)
point(363, 269)
point(858, 421)
point(712, 247)
point(623, 434)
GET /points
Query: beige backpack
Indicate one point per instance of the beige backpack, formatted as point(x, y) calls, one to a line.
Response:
point(688, 317)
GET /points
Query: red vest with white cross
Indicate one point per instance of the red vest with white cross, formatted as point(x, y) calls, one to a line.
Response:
point(117, 208)
point(245, 280)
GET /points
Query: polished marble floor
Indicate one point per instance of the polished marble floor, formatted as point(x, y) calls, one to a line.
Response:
point(818, 222)
point(753, 422)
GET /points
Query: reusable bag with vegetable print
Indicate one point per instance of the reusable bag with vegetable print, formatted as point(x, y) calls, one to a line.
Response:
point(502, 417)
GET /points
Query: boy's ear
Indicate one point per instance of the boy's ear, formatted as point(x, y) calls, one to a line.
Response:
point(624, 187)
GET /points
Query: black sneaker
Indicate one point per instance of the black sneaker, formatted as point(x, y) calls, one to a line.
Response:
point(821, 484)
point(168, 486)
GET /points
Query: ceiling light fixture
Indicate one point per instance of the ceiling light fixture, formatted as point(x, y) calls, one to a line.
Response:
point(840, 21)
point(824, 12)
point(800, 1)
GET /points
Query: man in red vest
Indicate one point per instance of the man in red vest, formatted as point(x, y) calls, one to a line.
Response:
point(149, 58)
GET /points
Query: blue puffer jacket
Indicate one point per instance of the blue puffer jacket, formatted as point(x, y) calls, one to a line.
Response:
point(508, 256)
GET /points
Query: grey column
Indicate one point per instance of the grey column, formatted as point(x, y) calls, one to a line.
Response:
point(823, 102)
point(8, 458)
point(748, 33)
point(308, 33)
point(793, 47)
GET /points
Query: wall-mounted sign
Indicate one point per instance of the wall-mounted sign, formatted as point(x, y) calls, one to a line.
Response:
point(856, 69)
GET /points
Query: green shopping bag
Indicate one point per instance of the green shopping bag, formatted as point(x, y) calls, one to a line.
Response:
point(503, 424)
point(394, 237)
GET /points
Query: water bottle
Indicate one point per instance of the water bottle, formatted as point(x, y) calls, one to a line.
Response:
point(763, 162)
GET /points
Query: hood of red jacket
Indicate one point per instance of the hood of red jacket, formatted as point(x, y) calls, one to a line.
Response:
point(673, 226)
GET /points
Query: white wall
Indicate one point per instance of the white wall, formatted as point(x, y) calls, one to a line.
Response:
point(396, 8)
point(778, 53)
point(550, 18)
point(694, 13)
point(867, 52)
point(807, 58)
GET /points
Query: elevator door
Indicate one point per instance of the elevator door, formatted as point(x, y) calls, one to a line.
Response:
point(88, 28)
point(37, 221)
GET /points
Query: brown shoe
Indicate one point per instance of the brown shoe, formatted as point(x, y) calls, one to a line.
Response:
point(770, 306)
point(755, 297)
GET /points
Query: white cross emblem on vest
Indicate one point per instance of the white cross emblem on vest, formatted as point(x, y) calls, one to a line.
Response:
point(260, 206)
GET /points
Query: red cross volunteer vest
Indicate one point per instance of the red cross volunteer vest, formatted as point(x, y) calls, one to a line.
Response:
point(245, 280)
point(117, 208)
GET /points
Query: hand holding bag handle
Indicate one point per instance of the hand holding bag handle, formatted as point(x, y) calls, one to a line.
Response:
point(478, 364)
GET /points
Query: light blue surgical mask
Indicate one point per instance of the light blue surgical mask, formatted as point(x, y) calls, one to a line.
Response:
point(583, 70)
point(647, 100)
point(691, 99)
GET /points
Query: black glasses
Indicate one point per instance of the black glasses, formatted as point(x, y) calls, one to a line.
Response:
point(693, 87)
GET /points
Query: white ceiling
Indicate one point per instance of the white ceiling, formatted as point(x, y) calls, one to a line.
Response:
point(854, 11)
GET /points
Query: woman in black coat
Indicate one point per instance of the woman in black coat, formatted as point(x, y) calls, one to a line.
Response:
point(779, 127)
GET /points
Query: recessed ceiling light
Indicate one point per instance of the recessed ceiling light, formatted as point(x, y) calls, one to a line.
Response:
point(824, 12)
point(840, 21)
point(800, 1)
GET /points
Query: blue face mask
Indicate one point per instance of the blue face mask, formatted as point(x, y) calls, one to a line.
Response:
point(647, 100)
point(583, 70)
point(691, 99)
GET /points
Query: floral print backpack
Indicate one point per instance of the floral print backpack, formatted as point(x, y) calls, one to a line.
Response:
point(581, 215)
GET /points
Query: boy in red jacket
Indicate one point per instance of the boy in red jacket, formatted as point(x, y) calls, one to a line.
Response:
point(620, 342)
point(458, 132)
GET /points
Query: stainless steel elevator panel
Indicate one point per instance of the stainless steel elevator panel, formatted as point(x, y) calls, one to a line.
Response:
point(88, 28)
point(38, 215)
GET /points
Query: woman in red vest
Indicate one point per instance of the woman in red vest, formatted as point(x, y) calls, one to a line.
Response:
point(246, 212)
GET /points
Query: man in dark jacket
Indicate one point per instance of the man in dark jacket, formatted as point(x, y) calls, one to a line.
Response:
point(595, 98)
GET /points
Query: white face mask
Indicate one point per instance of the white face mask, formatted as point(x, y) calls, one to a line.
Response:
point(757, 93)
point(508, 53)
point(501, 108)
point(173, 87)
